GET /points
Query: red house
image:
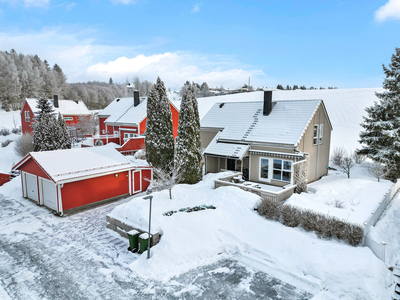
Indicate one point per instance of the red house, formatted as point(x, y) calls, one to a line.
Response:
point(123, 122)
point(70, 110)
point(66, 179)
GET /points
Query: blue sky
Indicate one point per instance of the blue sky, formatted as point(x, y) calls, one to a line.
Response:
point(315, 43)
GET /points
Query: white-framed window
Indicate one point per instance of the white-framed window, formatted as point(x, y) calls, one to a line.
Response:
point(128, 135)
point(103, 131)
point(282, 170)
point(27, 116)
point(264, 168)
point(68, 118)
point(116, 132)
point(315, 138)
point(321, 133)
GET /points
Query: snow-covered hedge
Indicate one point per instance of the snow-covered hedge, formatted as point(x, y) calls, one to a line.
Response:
point(324, 226)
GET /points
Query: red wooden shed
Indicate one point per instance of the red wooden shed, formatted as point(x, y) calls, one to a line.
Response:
point(65, 179)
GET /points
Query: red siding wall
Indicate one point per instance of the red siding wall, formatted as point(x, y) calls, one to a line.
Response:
point(145, 183)
point(91, 190)
point(102, 125)
point(74, 121)
point(136, 176)
point(142, 126)
point(30, 166)
point(133, 145)
point(4, 178)
point(26, 126)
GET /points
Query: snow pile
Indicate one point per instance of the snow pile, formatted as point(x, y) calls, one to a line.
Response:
point(330, 269)
point(351, 199)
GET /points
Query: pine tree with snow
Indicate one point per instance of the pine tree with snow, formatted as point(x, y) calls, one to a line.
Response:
point(44, 133)
point(62, 136)
point(188, 146)
point(381, 136)
point(43, 106)
point(159, 140)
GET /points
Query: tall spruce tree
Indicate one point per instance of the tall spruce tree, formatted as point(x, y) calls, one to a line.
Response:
point(62, 136)
point(159, 133)
point(45, 133)
point(188, 146)
point(381, 136)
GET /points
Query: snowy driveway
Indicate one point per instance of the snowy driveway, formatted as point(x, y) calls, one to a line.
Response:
point(47, 257)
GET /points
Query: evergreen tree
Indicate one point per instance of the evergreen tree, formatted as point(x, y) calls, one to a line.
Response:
point(110, 82)
point(381, 136)
point(159, 140)
point(188, 147)
point(44, 133)
point(279, 87)
point(43, 106)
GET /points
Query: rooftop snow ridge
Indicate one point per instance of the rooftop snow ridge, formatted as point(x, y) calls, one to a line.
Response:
point(125, 112)
point(93, 169)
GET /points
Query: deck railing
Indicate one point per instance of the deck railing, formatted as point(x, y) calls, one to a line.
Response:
point(279, 196)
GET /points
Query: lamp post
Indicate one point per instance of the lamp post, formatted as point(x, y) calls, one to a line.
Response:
point(149, 197)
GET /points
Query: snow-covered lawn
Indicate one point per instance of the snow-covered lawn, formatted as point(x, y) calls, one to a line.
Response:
point(356, 196)
point(329, 269)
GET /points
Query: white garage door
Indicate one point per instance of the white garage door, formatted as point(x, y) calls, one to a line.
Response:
point(31, 187)
point(49, 193)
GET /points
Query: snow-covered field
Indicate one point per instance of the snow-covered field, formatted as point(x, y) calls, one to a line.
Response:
point(356, 196)
point(328, 269)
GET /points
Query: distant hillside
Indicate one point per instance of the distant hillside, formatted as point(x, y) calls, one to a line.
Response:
point(27, 76)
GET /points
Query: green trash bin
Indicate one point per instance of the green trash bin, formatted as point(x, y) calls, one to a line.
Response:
point(133, 236)
point(143, 242)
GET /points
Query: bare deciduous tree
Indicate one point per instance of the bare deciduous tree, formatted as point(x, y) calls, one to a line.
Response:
point(24, 144)
point(165, 180)
point(378, 170)
point(343, 160)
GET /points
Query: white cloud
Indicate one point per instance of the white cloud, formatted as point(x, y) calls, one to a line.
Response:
point(28, 3)
point(70, 6)
point(196, 8)
point(126, 2)
point(83, 59)
point(391, 10)
point(175, 68)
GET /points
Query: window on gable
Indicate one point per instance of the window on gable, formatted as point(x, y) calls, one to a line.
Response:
point(321, 133)
point(315, 139)
point(27, 116)
point(282, 170)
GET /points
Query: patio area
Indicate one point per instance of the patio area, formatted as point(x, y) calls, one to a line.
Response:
point(271, 192)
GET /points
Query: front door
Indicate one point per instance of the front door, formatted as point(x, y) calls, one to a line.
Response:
point(230, 164)
point(136, 182)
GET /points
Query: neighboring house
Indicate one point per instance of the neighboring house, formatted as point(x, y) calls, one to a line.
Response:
point(123, 122)
point(71, 111)
point(66, 179)
point(265, 139)
point(4, 177)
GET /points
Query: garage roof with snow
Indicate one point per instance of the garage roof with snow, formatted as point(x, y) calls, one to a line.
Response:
point(74, 164)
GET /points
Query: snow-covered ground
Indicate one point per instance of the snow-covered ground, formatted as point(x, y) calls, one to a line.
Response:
point(357, 196)
point(43, 256)
point(329, 269)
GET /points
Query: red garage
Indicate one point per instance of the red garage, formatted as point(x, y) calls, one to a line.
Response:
point(65, 179)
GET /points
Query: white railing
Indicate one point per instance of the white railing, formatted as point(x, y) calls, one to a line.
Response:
point(378, 248)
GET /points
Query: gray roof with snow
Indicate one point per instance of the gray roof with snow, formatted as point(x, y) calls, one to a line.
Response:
point(226, 149)
point(245, 122)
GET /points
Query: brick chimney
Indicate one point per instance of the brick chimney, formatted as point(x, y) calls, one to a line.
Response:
point(267, 107)
point(55, 98)
point(136, 99)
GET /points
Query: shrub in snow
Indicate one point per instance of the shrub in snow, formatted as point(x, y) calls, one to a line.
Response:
point(324, 226)
point(358, 158)
point(343, 160)
point(378, 170)
point(380, 139)
point(24, 144)
point(6, 143)
point(165, 179)
point(336, 203)
point(4, 131)
point(140, 154)
point(16, 130)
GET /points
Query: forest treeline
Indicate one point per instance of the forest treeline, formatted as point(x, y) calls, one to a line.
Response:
point(27, 76)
